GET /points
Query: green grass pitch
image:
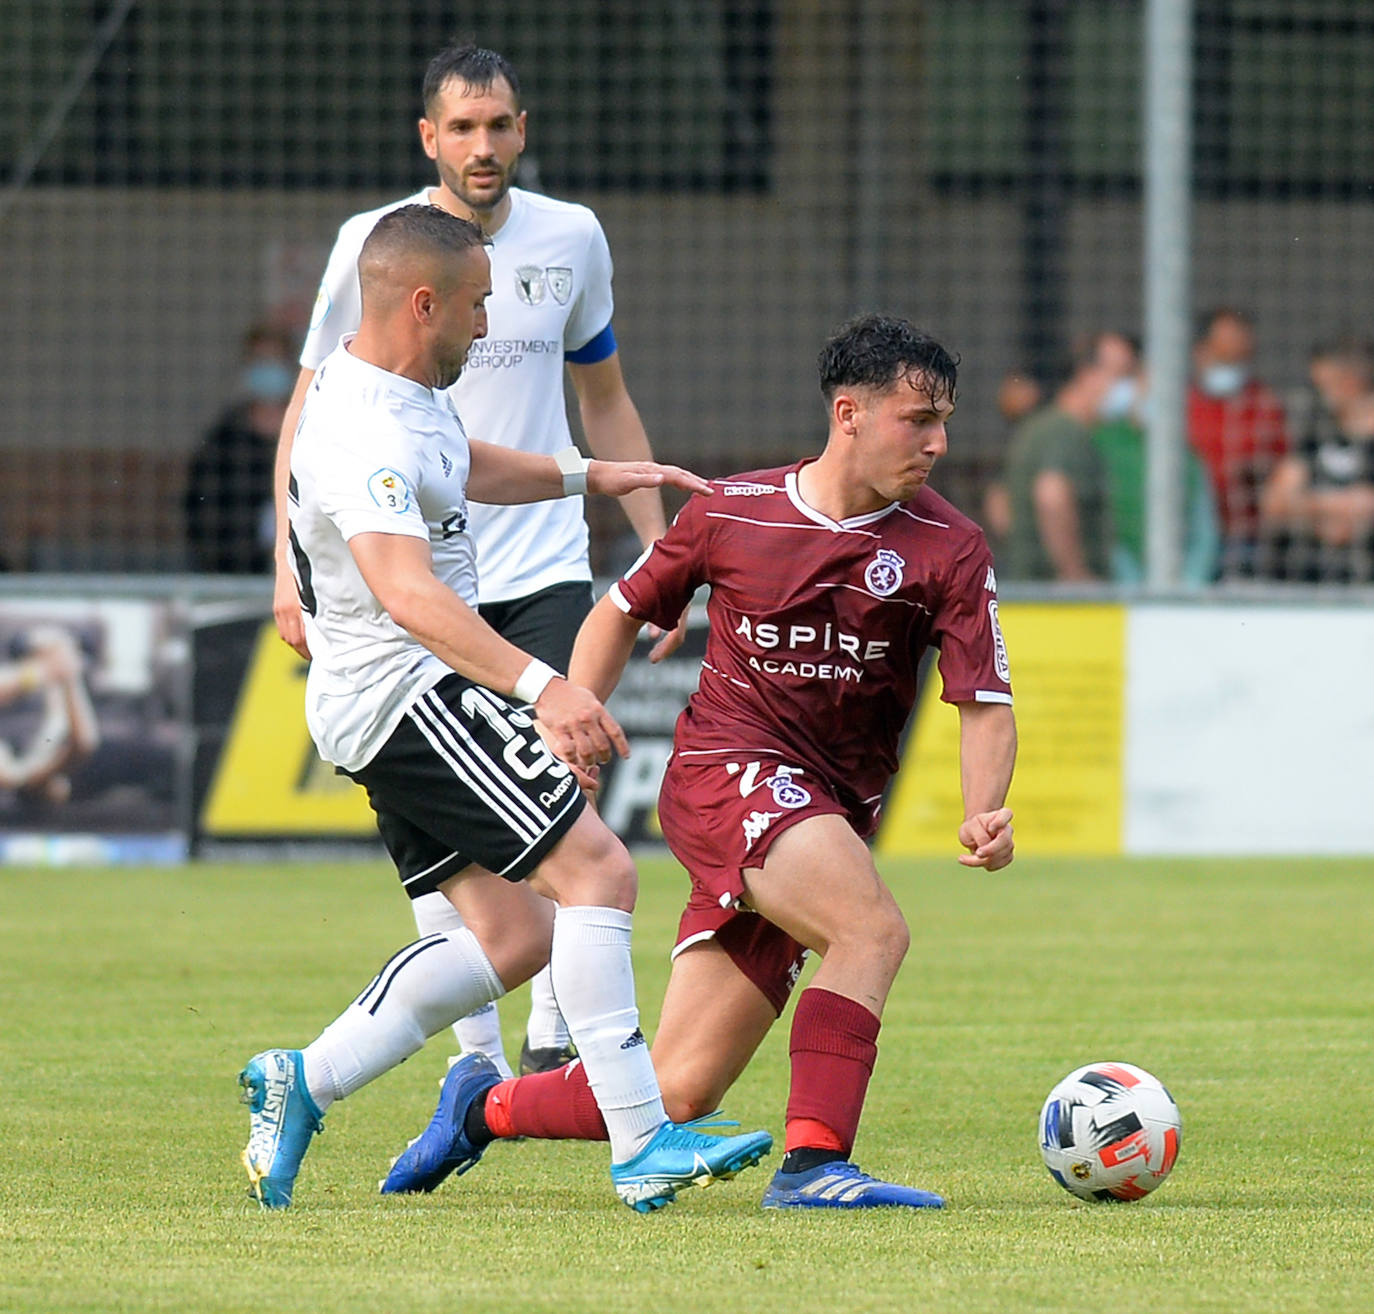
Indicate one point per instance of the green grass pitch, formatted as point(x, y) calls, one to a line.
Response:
point(132, 997)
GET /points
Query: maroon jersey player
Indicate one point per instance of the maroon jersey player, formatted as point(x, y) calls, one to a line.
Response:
point(828, 579)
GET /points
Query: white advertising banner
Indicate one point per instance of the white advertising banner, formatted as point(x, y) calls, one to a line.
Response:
point(1249, 730)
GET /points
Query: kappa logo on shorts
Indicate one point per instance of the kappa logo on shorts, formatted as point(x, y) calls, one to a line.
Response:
point(884, 573)
point(787, 793)
point(754, 826)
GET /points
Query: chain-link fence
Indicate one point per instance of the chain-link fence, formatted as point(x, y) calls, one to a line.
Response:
point(176, 171)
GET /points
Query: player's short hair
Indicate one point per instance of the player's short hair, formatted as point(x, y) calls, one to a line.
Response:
point(414, 230)
point(874, 351)
point(472, 65)
point(1215, 315)
point(1351, 352)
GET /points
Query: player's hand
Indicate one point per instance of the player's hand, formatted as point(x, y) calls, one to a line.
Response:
point(668, 641)
point(616, 478)
point(286, 611)
point(988, 838)
point(580, 731)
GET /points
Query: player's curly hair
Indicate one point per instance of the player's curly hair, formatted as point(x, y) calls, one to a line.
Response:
point(475, 67)
point(875, 351)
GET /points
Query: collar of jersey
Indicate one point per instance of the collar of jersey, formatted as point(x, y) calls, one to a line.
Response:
point(375, 374)
point(810, 512)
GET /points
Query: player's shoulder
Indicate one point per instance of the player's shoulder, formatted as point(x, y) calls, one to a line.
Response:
point(548, 213)
point(754, 483)
point(357, 226)
point(940, 521)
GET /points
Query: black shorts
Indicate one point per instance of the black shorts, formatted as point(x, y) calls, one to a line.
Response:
point(466, 779)
point(545, 623)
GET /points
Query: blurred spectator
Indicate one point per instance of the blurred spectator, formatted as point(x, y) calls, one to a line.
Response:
point(1320, 500)
point(229, 490)
point(1121, 441)
point(1017, 396)
point(1237, 426)
point(1056, 480)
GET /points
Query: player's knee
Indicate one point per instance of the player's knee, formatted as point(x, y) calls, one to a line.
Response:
point(687, 1096)
point(592, 867)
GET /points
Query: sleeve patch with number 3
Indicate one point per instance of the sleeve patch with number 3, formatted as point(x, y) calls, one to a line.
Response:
point(389, 490)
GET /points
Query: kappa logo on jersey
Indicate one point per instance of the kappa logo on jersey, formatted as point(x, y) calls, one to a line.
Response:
point(560, 280)
point(529, 284)
point(389, 490)
point(999, 644)
point(884, 573)
point(787, 793)
point(747, 490)
point(755, 824)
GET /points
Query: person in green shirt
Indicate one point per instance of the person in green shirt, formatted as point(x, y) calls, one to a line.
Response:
point(1057, 481)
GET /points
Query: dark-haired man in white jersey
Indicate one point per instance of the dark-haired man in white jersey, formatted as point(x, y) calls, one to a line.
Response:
point(413, 695)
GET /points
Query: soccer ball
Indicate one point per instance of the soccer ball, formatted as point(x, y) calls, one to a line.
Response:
point(1110, 1131)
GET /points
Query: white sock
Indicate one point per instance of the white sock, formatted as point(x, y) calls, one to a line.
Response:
point(479, 1032)
point(546, 1029)
point(421, 990)
point(596, 988)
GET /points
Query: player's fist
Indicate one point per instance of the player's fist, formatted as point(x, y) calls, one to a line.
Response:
point(577, 727)
point(988, 838)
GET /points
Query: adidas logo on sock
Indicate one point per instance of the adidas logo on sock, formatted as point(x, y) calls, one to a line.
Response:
point(636, 1039)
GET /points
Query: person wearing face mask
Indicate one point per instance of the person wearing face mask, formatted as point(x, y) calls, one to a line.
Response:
point(1320, 499)
point(229, 516)
point(1056, 480)
point(1120, 439)
point(1237, 427)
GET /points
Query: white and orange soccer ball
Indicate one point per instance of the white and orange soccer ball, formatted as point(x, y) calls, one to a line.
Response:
point(1110, 1131)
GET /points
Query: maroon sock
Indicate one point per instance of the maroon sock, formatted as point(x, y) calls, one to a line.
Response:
point(833, 1048)
point(553, 1106)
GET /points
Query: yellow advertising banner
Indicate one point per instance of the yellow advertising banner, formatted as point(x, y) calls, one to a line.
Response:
point(1068, 670)
point(269, 780)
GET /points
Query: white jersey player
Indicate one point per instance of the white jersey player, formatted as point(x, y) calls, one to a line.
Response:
point(410, 693)
point(551, 306)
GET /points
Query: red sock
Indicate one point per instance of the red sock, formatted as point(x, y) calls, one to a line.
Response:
point(833, 1048)
point(552, 1106)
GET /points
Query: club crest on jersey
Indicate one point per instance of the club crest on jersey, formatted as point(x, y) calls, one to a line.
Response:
point(389, 490)
point(560, 282)
point(324, 303)
point(529, 284)
point(884, 573)
point(787, 793)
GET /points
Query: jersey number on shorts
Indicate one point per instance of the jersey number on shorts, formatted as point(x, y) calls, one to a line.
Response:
point(504, 719)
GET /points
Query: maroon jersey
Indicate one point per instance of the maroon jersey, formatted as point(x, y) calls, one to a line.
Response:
point(818, 626)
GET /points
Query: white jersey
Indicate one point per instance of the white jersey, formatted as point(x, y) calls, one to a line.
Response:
point(374, 452)
point(551, 293)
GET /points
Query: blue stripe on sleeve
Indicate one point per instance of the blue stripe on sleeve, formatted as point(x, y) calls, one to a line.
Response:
point(598, 348)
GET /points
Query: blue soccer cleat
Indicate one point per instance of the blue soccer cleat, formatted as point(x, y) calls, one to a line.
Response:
point(281, 1120)
point(841, 1185)
point(443, 1147)
point(683, 1155)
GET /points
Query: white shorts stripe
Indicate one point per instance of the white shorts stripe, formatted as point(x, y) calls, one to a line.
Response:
point(458, 738)
point(475, 772)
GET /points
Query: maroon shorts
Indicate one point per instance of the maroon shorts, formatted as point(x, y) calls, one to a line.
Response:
point(720, 817)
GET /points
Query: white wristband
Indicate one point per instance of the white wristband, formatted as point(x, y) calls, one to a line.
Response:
point(573, 466)
point(533, 681)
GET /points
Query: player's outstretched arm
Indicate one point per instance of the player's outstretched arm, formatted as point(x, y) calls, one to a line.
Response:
point(398, 569)
point(286, 601)
point(503, 476)
point(602, 648)
point(987, 755)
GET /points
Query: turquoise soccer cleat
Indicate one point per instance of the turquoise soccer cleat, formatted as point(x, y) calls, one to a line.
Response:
point(281, 1120)
point(443, 1147)
point(682, 1155)
point(841, 1185)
